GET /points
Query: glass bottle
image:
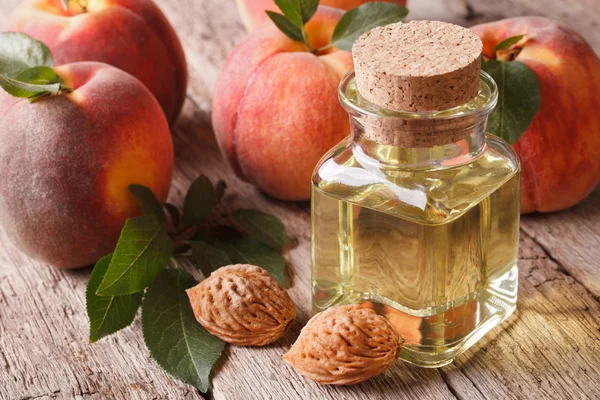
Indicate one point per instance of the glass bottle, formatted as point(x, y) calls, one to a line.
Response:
point(416, 214)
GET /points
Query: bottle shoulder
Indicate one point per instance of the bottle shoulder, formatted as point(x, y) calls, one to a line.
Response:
point(431, 195)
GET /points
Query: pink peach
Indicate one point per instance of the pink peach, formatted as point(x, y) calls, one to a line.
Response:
point(67, 161)
point(132, 35)
point(275, 106)
point(560, 151)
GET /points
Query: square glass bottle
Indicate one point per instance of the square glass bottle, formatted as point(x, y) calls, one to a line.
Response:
point(416, 213)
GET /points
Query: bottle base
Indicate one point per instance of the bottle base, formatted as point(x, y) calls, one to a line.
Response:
point(434, 338)
point(447, 356)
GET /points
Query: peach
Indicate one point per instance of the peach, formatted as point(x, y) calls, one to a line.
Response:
point(560, 151)
point(67, 161)
point(275, 106)
point(132, 35)
point(253, 13)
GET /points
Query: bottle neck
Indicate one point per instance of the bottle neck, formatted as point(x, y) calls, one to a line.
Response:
point(418, 139)
point(464, 145)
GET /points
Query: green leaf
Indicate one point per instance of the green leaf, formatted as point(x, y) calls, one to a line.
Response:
point(108, 314)
point(298, 12)
point(292, 13)
point(174, 212)
point(506, 43)
point(19, 52)
point(209, 258)
point(181, 250)
point(143, 250)
point(37, 96)
point(306, 8)
point(199, 201)
point(25, 67)
point(224, 233)
point(264, 227)
point(250, 251)
point(178, 343)
point(148, 201)
point(364, 18)
point(27, 90)
point(518, 98)
point(39, 76)
point(203, 236)
point(286, 26)
point(65, 4)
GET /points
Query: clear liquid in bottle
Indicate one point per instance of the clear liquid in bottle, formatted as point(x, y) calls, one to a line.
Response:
point(444, 274)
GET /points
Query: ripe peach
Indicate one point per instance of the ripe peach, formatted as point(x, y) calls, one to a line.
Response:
point(132, 35)
point(67, 161)
point(253, 13)
point(560, 151)
point(275, 106)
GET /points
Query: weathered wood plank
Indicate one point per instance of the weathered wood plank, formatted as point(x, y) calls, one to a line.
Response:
point(540, 352)
point(549, 348)
point(573, 239)
point(44, 348)
point(463, 382)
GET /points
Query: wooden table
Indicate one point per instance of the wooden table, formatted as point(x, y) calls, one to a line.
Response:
point(550, 347)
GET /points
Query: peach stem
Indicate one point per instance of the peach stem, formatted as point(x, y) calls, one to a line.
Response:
point(83, 4)
point(305, 39)
point(508, 55)
point(513, 51)
point(320, 50)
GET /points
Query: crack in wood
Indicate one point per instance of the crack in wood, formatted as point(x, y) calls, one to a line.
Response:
point(474, 393)
point(561, 268)
point(451, 388)
point(52, 395)
point(548, 254)
point(562, 321)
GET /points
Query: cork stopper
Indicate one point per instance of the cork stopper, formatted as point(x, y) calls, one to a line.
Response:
point(418, 66)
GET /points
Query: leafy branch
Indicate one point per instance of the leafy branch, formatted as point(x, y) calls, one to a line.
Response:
point(518, 90)
point(137, 274)
point(26, 68)
point(296, 14)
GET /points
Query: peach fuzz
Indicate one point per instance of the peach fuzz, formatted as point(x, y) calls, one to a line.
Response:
point(69, 159)
point(275, 106)
point(560, 151)
point(253, 13)
point(132, 35)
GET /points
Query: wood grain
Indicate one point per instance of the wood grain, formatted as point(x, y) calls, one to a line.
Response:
point(573, 240)
point(550, 348)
